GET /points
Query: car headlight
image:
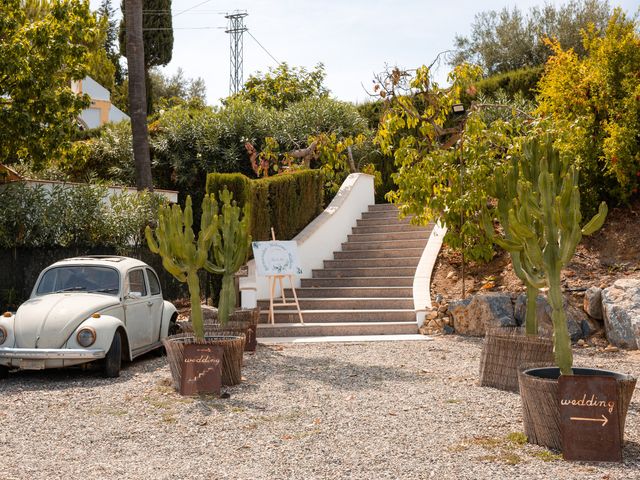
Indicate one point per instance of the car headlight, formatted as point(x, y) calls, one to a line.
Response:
point(86, 336)
point(3, 335)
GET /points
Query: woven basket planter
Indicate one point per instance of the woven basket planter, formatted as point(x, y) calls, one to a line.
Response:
point(242, 321)
point(540, 409)
point(233, 346)
point(504, 350)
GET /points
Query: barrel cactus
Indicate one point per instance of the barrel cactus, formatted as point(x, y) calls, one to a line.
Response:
point(183, 255)
point(542, 229)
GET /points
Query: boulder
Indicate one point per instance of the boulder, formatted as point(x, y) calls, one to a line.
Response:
point(593, 302)
point(621, 311)
point(479, 313)
point(209, 314)
point(577, 321)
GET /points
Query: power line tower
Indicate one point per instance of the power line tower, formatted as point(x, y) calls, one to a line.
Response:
point(236, 28)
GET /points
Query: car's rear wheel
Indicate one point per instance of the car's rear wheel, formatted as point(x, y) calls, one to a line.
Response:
point(4, 371)
point(113, 360)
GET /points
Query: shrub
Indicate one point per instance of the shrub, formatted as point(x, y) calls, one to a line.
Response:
point(73, 216)
point(521, 82)
point(286, 203)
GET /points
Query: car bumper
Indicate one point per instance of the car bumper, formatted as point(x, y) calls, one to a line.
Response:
point(52, 353)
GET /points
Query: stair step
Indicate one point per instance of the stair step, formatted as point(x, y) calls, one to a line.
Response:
point(382, 253)
point(326, 329)
point(358, 282)
point(373, 221)
point(383, 207)
point(372, 262)
point(385, 244)
point(355, 303)
point(364, 272)
point(387, 215)
point(341, 316)
point(378, 237)
point(350, 292)
point(391, 228)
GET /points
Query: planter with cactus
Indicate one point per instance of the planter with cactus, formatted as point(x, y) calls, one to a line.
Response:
point(183, 255)
point(544, 227)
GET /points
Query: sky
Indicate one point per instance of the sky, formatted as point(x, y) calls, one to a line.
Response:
point(354, 39)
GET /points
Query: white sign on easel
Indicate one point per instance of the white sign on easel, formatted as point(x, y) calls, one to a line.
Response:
point(277, 260)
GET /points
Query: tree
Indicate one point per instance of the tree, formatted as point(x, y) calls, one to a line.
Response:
point(508, 40)
point(594, 103)
point(284, 85)
point(445, 164)
point(105, 14)
point(157, 28)
point(137, 95)
point(176, 90)
point(40, 58)
point(99, 65)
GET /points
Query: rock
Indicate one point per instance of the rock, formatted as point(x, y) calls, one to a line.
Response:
point(479, 313)
point(593, 302)
point(443, 308)
point(432, 314)
point(209, 314)
point(590, 327)
point(446, 320)
point(450, 274)
point(611, 348)
point(575, 317)
point(621, 311)
point(581, 343)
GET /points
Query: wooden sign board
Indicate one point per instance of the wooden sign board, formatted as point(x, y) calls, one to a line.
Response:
point(201, 369)
point(589, 418)
point(276, 258)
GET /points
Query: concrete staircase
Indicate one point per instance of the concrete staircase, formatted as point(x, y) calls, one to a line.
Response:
point(367, 289)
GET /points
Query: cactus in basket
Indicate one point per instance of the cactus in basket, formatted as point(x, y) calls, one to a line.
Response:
point(230, 250)
point(182, 254)
point(544, 230)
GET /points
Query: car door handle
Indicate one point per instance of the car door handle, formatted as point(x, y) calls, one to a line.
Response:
point(149, 304)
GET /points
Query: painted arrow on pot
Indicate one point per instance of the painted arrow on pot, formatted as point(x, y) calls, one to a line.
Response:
point(604, 419)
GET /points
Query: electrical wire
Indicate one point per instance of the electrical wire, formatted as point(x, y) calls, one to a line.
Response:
point(261, 46)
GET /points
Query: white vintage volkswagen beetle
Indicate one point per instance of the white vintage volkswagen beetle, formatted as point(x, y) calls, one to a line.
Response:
point(83, 309)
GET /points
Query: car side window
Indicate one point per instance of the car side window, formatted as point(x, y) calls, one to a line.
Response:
point(154, 283)
point(136, 283)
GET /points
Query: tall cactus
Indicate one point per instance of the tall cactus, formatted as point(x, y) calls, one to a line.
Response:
point(182, 254)
point(507, 189)
point(544, 226)
point(230, 249)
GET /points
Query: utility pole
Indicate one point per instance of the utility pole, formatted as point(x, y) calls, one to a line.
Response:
point(236, 28)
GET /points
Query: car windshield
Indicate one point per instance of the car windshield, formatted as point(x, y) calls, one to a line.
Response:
point(79, 279)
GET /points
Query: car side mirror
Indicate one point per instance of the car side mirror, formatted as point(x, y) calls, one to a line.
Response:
point(134, 295)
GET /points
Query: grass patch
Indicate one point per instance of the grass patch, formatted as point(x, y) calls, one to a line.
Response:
point(547, 456)
point(518, 438)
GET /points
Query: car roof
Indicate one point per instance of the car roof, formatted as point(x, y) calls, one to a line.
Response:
point(121, 263)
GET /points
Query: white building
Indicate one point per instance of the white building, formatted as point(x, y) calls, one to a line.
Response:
point(101, 110)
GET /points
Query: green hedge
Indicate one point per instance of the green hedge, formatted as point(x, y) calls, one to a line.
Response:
point(286, 203)
point(523, 81)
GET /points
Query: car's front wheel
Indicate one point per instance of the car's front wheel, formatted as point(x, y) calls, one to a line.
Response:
point(113, 360)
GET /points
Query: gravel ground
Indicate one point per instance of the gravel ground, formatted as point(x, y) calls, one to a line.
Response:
point(408, 410)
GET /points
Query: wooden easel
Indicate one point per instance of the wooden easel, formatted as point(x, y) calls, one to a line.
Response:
point(273, 279)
